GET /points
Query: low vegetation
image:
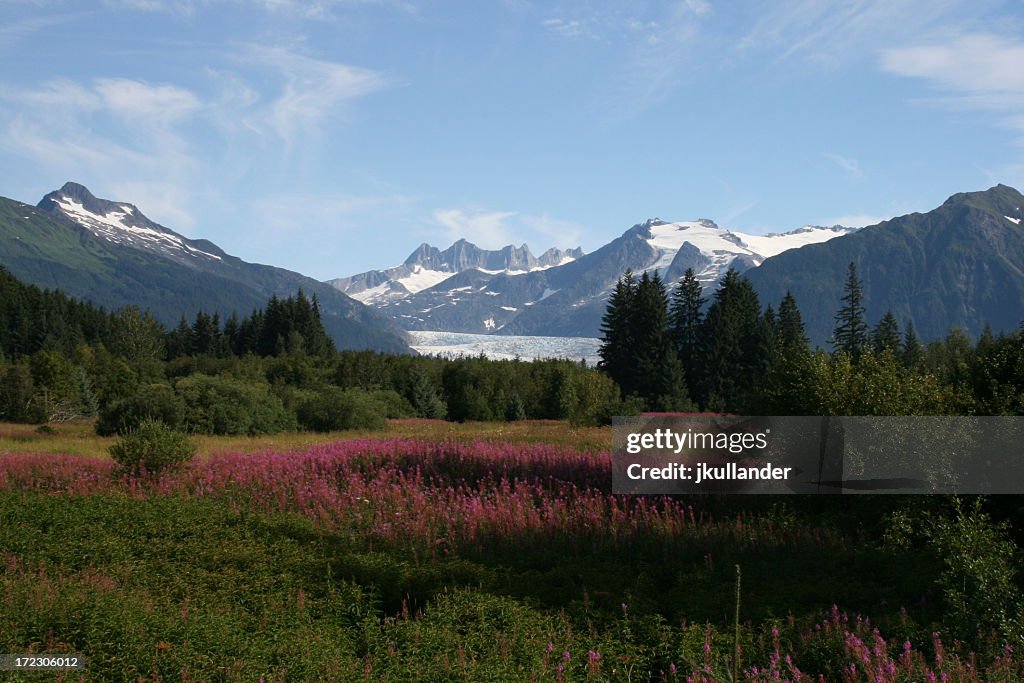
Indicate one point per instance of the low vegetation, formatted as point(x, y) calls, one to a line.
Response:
point(436, 559)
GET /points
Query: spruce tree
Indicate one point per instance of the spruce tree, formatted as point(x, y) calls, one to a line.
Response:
point(735, 345)
point(617, 335)
point(851, 331)
point(659, 376)
point(886, 335)
point(179, 340)
point(911, 352)
point(685, 318)
point(792, 335)
point(204, 335)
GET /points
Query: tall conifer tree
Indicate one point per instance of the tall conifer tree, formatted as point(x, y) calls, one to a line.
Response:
point(686, 313)
point(734, 340)
point(792, 335)
point(851, 330)
point(617, 334)
point(886, 335)
point(659, 376)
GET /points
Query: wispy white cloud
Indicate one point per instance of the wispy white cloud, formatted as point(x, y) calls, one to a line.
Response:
point(306, 9)
point(665, 53)
point(312, 91)
point(568, 28)
point(558, 233)
point(487, 229)
point(160, 141)
point(734, 212)
point(122, 134)
point(496, 229)
point(979, 71)
point(13, 32)
point(142, 103)
point(848, 164)
point(830, 33)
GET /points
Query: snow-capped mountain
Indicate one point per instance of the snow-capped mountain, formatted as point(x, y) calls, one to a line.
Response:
point(124, 224)
point(428, 266)
point(719, 248)
point(565, 294)
point(109, 253)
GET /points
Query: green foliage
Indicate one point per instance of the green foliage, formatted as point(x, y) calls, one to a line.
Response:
point(979, 567)
point(136, 336)
point(979, 578)
point(592, 399)
point(221, 405)
point(851, 331)
point(886, 335)
point(998, 375)
point(331, 409)
point(822, 384)
point(16, 394)
point(655, 369)
point(911, 352)
point(792, 335)
point(617, 330)
point(638, 350)
point(152, 446)
point(394, 404)
point(735, 343)
point(425, 398)
point(150, 402)
point(685, 318)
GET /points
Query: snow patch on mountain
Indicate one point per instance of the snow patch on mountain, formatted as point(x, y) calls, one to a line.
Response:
point(118, 225)
point(423, 278)
point(774, 244)
point(720, 247)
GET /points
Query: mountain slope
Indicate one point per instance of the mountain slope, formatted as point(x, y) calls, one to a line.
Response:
point(568, 300)
point(111, 254)
point(960, 265)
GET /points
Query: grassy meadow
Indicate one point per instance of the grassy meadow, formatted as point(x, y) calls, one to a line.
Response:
point(436, 551)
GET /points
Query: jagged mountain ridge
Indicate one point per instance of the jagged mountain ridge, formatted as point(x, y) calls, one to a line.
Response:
point(568, 299)
point(428, 266)
point(111, 254)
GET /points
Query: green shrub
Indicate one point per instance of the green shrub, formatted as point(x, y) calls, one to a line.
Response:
point(221, 405)
point(152, 446)
point(333, 409)
point(151, 402)
point(395, 405)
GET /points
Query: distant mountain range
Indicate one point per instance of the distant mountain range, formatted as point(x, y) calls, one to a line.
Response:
point(960, 265)
point(561, 294)
point(428, 266)
point(111, 254)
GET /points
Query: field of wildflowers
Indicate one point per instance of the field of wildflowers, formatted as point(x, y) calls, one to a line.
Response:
point(446, 559)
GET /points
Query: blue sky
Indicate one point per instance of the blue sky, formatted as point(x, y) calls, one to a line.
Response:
point(334, 136)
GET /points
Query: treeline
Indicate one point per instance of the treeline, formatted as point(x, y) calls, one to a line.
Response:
point(275, 369)
point(676, 351)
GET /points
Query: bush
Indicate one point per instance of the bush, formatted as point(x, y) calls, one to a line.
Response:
point(152, 402)
point(152, 446)
point(395, 405)
point(333, 409)
point(220, 405)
